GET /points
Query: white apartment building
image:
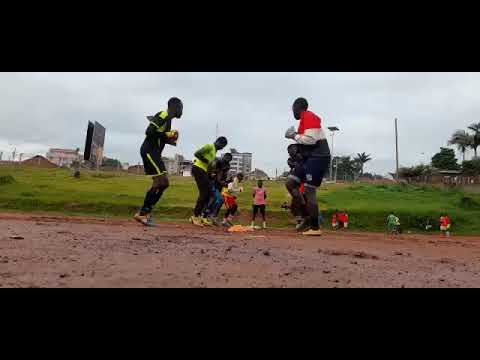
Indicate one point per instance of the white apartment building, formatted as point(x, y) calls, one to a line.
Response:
point(241, 163)
point(63, 157)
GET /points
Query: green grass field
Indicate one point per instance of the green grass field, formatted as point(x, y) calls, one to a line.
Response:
point(112, 195)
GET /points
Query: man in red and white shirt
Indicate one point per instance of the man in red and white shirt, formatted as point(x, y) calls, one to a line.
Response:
point(316, 159)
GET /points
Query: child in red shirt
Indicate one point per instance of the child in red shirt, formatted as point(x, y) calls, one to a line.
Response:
point(342, 219)
point(445, 225)
point(335, 220)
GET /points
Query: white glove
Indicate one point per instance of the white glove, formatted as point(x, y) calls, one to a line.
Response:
point(291, 133)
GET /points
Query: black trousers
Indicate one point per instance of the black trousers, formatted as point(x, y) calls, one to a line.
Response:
point(204, 188)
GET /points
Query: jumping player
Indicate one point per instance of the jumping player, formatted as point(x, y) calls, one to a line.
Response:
point(158, 134)
point(203, 158)
point(316, 153)
point(259, 203)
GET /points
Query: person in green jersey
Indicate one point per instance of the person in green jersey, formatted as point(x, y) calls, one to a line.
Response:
point(393, 224)
point(203, 158)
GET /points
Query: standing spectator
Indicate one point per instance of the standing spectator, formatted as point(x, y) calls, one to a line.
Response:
point(259, 203)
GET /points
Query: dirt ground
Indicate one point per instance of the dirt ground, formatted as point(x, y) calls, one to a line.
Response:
point(47, 251)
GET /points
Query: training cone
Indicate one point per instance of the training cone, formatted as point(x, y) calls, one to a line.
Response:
point(240, 228)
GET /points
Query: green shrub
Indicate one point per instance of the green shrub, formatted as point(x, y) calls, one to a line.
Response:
point(469, 203)
point(6, 180)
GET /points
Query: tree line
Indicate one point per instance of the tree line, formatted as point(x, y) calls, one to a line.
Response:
point(348, 168)
point(464, 140)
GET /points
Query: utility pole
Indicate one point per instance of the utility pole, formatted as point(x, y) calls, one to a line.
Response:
point(1, 155)
point(14, 153)
point(333, 129)
point(21, 155)
point(76, 169)
point(396, 144)
point(336, 168)
point(331, 160)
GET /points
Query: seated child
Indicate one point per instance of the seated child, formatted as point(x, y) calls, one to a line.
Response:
point(445, 225)
point(335, 220)
point(393, 224)
point(343, 220)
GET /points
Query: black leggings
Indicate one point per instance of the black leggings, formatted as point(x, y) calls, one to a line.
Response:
point(256, 208)
point(231, 211)
point(204, 189)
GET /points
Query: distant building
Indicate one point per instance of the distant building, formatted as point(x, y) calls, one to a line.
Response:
point(186, 168)
point(63, 157)
point(125, 166)
point(171, 165)
point(178, 166)
point(179, 158)
point(136, 169)
point(39, 161)
point(258, 174)
point(241, 163)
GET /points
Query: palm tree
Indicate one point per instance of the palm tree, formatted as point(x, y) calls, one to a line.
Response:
point(362, 159)
point(357, 168)
point(476, 137)
point(463, 141)
point(346, 167)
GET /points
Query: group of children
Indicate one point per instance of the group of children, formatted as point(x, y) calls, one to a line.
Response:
point(340, 220)
point(394, 227)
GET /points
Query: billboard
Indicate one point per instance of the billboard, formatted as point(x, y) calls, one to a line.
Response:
point(94, 143)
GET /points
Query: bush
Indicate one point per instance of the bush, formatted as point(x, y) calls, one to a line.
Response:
point(6, 180)
point(469, 203)
point(471, 168)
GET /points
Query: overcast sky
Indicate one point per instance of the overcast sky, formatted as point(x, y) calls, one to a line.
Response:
point(43, 110)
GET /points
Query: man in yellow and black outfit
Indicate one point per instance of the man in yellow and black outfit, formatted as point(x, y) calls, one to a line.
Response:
point(159, 133)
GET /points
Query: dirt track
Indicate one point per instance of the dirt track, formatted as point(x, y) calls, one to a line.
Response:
point(81, 252)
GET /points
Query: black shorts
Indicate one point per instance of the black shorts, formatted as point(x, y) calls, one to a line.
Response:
point(153, 163)
point(312, 171)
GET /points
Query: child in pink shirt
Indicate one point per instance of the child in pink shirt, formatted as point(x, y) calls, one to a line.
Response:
point(259, 203)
